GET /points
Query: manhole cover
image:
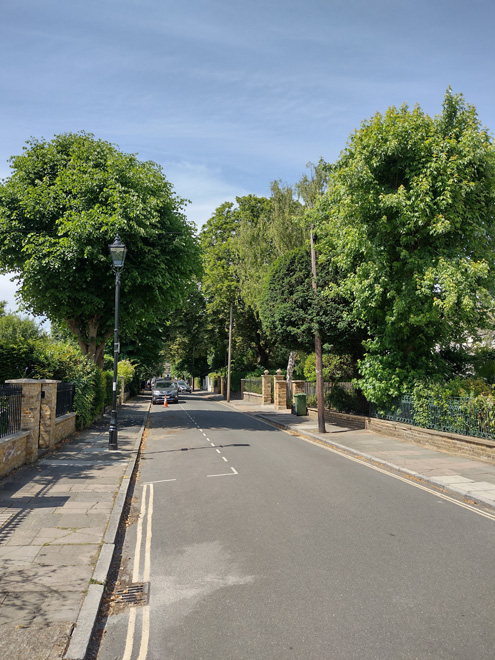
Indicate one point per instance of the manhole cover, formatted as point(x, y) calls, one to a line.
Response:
point(133, 594)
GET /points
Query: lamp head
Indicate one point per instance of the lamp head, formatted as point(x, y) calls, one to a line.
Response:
point(118, 251)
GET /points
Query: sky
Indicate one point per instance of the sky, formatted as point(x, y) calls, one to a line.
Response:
point(230, 95)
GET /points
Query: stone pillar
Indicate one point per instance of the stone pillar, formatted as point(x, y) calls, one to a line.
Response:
point(298, 387)
point(30, 414)
point(280, 391)
point(266, 389)
point(243, 384)
point(280, 394)
point(48, 413)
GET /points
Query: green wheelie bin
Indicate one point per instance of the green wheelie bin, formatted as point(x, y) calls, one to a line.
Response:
point(300, 404)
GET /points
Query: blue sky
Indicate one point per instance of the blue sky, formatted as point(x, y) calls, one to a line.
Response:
point(229, 95)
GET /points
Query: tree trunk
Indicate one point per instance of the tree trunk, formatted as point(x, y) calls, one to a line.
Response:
point(89, 342)
point(290, 369)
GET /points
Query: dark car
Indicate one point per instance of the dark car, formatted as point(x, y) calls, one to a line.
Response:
point(183, 386)
point(164, 388)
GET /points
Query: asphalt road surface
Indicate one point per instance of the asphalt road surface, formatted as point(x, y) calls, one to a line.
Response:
point(258, 545)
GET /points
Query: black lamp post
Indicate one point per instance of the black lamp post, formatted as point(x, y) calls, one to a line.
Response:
point(118, 251)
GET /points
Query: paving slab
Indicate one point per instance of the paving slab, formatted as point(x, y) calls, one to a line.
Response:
point(54, 516)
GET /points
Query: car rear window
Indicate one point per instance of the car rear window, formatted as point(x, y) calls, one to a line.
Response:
point(164, 383)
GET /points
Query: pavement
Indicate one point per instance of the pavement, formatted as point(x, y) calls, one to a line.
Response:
point(59, 518)
point(58, 525)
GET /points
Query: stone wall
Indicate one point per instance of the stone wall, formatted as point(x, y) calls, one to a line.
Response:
point(40, 429)
point(476, 448)
point(253, 397)
point(13, 452)
point(449, 442)
point(64, 427)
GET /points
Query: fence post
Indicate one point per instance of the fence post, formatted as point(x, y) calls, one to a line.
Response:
point(48, 413)
point(266, 389)
point(243, 384)
point(30, 414)
point(280, 391)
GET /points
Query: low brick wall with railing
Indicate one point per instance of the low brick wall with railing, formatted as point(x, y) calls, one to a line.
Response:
point(29, 425)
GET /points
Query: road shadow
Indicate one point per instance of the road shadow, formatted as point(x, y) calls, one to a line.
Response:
point(219, 419)
point(181, 449)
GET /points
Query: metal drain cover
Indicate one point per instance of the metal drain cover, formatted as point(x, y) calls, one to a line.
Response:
point(133, 594)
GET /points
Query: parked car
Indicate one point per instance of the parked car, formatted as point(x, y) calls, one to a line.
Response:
point(164, 388)
point(183, 386)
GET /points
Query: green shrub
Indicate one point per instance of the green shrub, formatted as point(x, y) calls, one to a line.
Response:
point(60, 361)
point(335, 368)
point(99, 393)
point(126, 369)
point(451, 404)
point(135, 385)
point(312, 401)
point(16, 361)
point(108, 376)
point(346, 401)
point(64, 362)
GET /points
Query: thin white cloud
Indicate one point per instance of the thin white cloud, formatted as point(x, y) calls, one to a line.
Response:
point(205, 187)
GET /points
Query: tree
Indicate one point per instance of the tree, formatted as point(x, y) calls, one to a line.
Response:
point(15, 330)
point(291, 311)
point(187, 344)
point(408, 222)
point(221, 284)
point(336, 368)
point(63, 204)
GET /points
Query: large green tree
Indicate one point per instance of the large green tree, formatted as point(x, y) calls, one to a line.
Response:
point(408, 223)
point(187, 344)
point(63, 204)
point(292, 311)
point(225, 278)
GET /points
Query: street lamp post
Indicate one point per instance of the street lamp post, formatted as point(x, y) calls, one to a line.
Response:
point(118, 251)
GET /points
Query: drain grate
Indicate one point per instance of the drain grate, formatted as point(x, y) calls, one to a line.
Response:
point(133, 594)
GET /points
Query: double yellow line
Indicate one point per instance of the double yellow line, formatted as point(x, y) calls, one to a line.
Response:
point(144, 522)
point(405, 479)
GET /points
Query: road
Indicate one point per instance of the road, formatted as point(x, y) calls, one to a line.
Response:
point(259, 545)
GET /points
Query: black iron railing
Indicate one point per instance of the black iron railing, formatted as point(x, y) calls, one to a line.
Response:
point(457, 415)
point(253, 385)
point(65, 398)
point(10, 409)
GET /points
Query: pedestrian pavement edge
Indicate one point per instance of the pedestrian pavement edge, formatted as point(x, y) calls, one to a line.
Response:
point(369, 458)
point(84, 626)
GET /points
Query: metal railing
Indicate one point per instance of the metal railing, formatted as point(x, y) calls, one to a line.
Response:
point(457, 415)
point(65, 398)
point(253, 385)
point(10, 409)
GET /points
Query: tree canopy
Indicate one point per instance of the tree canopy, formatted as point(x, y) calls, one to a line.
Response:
point(230, 232)
point(408, 223)
point(291, 311)
point(63, 204)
